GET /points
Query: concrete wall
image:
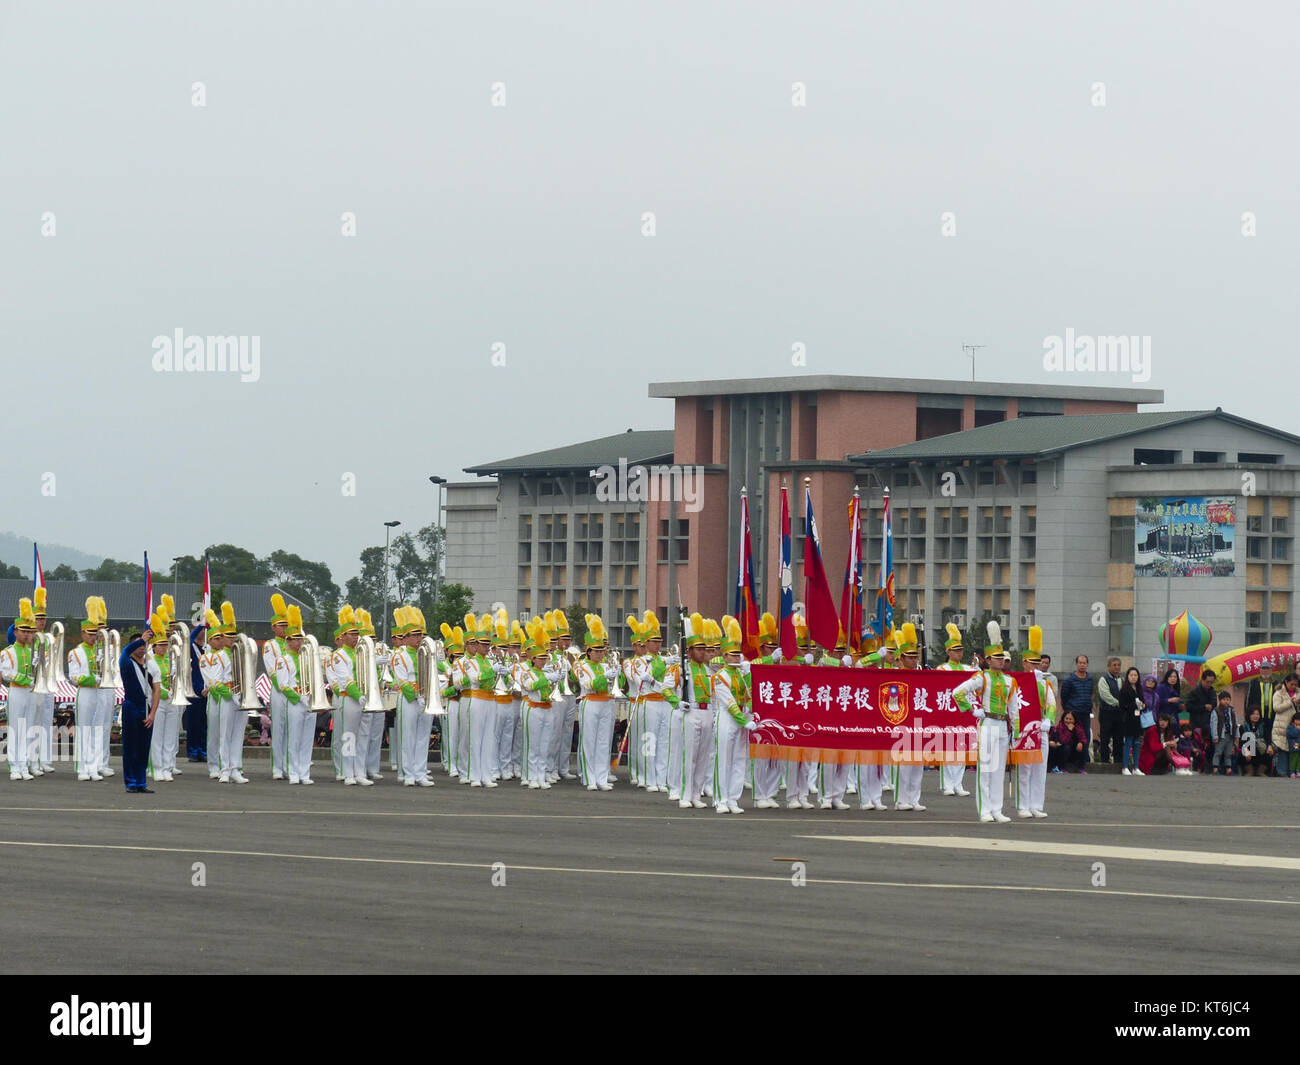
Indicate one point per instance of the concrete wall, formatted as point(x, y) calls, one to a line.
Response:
point(473, 541)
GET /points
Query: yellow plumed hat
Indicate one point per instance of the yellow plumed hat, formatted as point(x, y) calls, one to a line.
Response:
point(518, 635)
point(650, 626)
point(731, 637)
point(213, 622)
point(453, 640)
point(227, 619)
point(91, 624)
point(471, 627)
point(539, 641)
point(905, 639)
point(364, 625)
point(158, 624)
point(347, 620)
point(694, 634)
point(417, 619)
point(712, 633)
point(38, 606)
point(716, 636)
point(596, 634)
point(26, 619)
point(800, 630)
point(1035, 652)
point(295, 621)
point(548, 619)
point(767, 630)
point(501, 628)
point(993, 649)
point(561, 622)
point(635, 632)
point(278, 611)
point(953, 642)
point(168, 607)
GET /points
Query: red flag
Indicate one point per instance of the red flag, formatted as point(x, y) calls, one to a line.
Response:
point(789, 639)
point(851, 597)
point(819, 607)
point(746, 605)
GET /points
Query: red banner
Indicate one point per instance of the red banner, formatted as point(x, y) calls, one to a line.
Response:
point(849, 715)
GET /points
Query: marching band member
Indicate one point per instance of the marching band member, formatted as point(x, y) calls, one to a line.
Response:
point(870, 778)
point(833, 777)
point(477, 677)
point(659, 682)
point(453, 649)
point(997, 711)
point(1030, 780)
point(301, 718)
point(230, 718)
point(413, 724)
point(370, 741)
point(16, 670)
point(167, 608)
point(503, 721)
point(341, 672)
point(272, 649)
point(689, 762)
point(90, 697)
point(908, 776)
point(951, 773)
point(633, 667)
point(537, 678)
point(596, 681)
point(798, 773)
point(518, 638)
point(167, 719)
point(564, 706)
point(765, 773)
point(735, 721)
point(43, 712)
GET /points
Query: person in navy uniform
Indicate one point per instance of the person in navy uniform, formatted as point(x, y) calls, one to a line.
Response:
point(141, 688)
point(196, 714)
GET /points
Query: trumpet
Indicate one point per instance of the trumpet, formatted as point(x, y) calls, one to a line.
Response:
point(428, 681)
point(244, 658)
point(372, 700)
point(311, 676)
point(178, 665)
point(108, 653)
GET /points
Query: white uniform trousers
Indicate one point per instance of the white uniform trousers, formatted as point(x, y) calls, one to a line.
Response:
point(832, 780)
point(765, 777)
point(279, 732)
point(537, 724)
point(89, 735)
point(348, 735)
point(908, 789)
point(868, 780)
point(654, 742)
point(108, 713)
point(798, 776)
point(234, 723)
point(23, 706)
point(517, 740)
point(45, 722)
point(214, 736)
point(372, 733)
point(464, 748)
point(595, 731)
point(482, 739)
point(564, 734)
point(504, 724)
point(448, 734)
point(697, 744)
point(166, 734)
point(951, 775)
point(1031, 783)
point(675, 770)
point(302, 730)
point(730, 760)
point(411, 743)
point(992, 766)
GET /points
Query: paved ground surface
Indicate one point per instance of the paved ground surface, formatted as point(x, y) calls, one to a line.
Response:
point(1201, 874)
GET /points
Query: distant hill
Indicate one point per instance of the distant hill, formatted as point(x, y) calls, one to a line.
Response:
point(17, 551)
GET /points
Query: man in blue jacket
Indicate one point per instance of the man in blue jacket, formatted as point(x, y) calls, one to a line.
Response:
point(141, 687)
point(1077, 694)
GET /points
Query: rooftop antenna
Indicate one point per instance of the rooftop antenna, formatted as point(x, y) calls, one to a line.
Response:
point(970, 350)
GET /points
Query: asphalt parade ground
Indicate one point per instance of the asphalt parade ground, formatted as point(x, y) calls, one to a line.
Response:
point(1128, 875)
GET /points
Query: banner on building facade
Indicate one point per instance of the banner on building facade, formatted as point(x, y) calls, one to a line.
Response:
point(1187, 536)
point(888, 716)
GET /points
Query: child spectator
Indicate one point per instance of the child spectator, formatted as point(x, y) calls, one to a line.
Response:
point(1131, 707)
point(1255, 749)
point(1067, 746)
point(1159, 746)
point(1223, 734)
point(1191, 748)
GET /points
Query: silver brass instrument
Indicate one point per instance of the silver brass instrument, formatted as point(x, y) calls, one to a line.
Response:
point(42, 653)
point(501, 687)
point(244, 659)
point(182, 682)
point(58, 672)
point(616, 660)
point(311, 675)
point(108, 654)
point(372, 699)
point(383, 660)
point(178, 664)
point(428, 681)
point(574, 654)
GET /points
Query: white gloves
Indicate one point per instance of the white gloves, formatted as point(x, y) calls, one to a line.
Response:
point(847, 660)
point(744, 666)
point(777, 656)
point(979, 713)
point(750, 725)
point(808, 659)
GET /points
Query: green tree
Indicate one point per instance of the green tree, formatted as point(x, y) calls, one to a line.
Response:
point(236, 565)
point(62, 572)
point(8, 572)
point(577, 618)
point(366, 590)
point(311, 582)
point(454, 602)
point(113, 570)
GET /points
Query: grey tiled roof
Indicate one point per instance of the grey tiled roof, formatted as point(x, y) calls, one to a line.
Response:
point(636, 446)
point(125, 599)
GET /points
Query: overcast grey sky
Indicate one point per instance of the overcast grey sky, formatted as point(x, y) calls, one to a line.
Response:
point(522, 225)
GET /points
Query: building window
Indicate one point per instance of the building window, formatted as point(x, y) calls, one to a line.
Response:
point(1121, 632)
point(1255, 546)
point(1278, 619)
point(1207, 456)
point(1256, 458)
point(1121, 537)
point(1279, 524)
point(1255, 523)
point(546, 487)
point(1155, 456)
point(1254, 619)
point(525, 553)
point(1028, 474)
point(525, 527)
point(1281, 550)
point(987, 476)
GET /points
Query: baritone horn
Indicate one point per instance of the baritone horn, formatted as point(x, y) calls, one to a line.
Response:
point(108, 653)
point(42, 652)
point(244, 661)
point(178, 664)
point(428, 681)
point(182, 681)
point(372, 700)
point(312, 676)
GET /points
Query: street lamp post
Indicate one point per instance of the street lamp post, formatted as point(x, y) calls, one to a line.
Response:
point(438, 483)
point(389, 526)
point(175, 574)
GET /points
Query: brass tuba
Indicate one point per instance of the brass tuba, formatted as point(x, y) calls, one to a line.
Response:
point(428, 681)
point(178, 665)
point(311, 675)
point(108, 654)
point(184, 680)
point(42, 664)
point(244, 658)
point(372, 699)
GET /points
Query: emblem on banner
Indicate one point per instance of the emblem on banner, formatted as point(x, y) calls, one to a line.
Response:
point(893, 702)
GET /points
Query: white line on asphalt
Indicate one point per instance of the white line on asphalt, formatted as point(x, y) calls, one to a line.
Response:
point(1079, 850)
point(812, 881)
